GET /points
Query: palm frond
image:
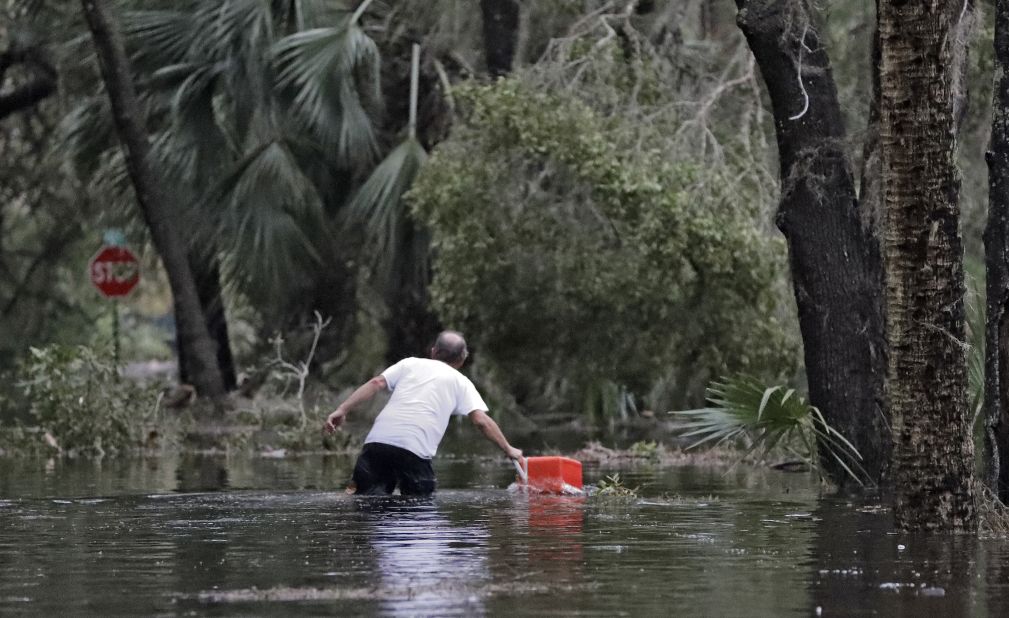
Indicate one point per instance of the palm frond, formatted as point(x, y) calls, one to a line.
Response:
point(88, 131)
point(768, 416)
point(320, 70)
point(195, 124)
point(265, 205)
point(378, 205)
point(233, 27)
point(159, 38)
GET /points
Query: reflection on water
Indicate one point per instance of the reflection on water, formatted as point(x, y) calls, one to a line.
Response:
point(258, 536)
point(557, 518)
point(424, 563)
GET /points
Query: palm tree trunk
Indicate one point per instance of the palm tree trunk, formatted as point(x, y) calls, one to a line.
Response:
point(207, 274)
point(933, 454)
point(192, 331)
point(996, 245)
point(835, 262)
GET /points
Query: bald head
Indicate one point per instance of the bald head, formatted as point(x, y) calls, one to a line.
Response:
point(450, 348)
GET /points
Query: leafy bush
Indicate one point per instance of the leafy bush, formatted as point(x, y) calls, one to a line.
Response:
point(76, 398)
point(578, 263)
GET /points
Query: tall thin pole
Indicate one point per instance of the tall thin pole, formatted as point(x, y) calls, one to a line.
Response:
point(115, 337)
point(414, 83)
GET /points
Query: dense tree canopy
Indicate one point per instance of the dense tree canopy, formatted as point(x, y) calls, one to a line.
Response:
point(578, 250)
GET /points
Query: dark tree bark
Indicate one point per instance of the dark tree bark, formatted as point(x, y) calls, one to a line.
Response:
point(870, 204)
point(926, 380)
point(207, 274)
point(192, 331)
point(38, 87)
point(500, 34)
point(996, 246)
point(835, 261)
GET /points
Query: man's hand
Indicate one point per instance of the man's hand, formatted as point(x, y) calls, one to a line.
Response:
point(516, 454)
point(363, 393)
point(334, 420)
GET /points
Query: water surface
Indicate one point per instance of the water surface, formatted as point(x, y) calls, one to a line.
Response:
point(258, 536)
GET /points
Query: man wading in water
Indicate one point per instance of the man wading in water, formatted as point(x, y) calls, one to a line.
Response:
point(406, 434)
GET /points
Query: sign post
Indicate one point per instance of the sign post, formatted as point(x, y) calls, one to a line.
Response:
point(115, 271)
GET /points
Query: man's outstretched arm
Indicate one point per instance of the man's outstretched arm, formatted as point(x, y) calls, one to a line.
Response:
point(363, 393)
point(493, 433)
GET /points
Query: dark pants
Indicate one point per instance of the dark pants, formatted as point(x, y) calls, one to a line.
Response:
point(381, 467)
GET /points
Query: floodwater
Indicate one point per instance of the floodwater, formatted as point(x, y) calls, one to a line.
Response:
point(260, 536)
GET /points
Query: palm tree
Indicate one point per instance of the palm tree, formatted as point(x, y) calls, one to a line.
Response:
point(265, 115)
point(150, 192)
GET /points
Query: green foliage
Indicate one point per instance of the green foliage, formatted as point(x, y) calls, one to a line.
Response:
point(573, 258)
point(45, 217)
point(262, 115)
point(75, 398)
point(646, 449)
point(613, 486)
point(768, 416)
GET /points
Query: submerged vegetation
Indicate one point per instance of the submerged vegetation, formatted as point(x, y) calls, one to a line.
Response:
point(75, 403)
point(78, 404)
point(612, 486)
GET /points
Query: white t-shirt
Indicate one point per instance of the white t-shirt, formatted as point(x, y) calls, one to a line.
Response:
point(425, 393)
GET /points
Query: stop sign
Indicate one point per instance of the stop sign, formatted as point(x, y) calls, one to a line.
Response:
point(114, 271)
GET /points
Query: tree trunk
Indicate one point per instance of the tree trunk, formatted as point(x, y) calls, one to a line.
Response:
point(192, 331)
point(835, 261)
point(933, 455)
point(996, 245)
point(207, 274)
point(500, 34)
point(870, 203)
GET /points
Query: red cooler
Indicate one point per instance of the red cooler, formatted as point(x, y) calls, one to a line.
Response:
point(555, 475)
